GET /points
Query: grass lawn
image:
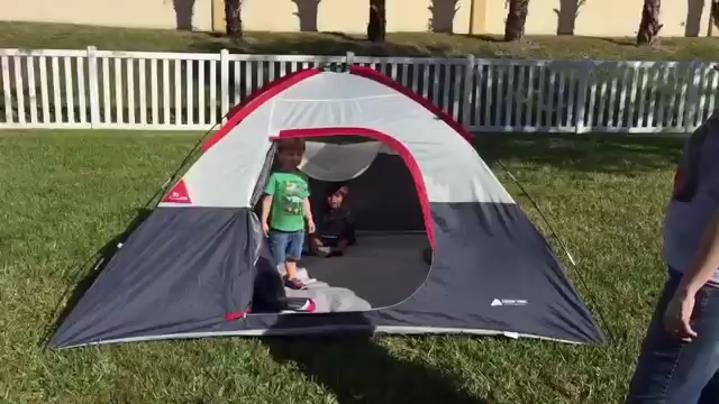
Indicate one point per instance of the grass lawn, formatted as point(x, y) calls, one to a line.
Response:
point(67, 36)
point(66, 193)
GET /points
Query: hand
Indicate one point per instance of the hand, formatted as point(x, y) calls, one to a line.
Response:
point(266, 229)
point(311, 226)
point(677, 317)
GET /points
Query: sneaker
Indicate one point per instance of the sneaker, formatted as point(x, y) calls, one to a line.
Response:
point(324, 251)
point(295, 284)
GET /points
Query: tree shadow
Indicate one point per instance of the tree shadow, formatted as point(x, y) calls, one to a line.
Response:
point(307, 13)
point(89, 271)
point(567, 16)
point(695, 8)
point(605, 153)
point(358, 370)
point(443, 12)
point(183, 14)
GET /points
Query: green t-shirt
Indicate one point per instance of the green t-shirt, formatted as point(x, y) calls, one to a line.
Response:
point(289, 191)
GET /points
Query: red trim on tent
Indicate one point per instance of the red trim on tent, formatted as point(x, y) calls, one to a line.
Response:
point(372, 74)
point(256, 100)
point(392, 143)
point(178, 194)
point(236, 315)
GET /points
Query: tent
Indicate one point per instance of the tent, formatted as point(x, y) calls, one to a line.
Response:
point(198, 266)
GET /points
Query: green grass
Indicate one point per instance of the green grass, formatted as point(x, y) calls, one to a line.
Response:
point(67, 36)
point(66, 193)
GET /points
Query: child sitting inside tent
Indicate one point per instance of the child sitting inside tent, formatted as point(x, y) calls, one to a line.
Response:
point(335, 226)
point(284, 209)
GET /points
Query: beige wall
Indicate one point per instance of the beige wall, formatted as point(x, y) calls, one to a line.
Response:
point(349, 16)
point(123, 13)
point(598, 18)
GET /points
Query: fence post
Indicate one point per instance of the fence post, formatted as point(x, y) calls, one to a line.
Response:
point(692, 98)
point(582, 90)
point(349, 59)
point(224, 82)
point(467, 95)
point(93, 78)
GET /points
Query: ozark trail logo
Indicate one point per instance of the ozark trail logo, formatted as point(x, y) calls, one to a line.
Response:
point(508, 302)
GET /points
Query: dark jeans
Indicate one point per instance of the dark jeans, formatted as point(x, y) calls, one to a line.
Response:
point(672, 371)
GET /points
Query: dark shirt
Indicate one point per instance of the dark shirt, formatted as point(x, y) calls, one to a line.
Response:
point(336, 224)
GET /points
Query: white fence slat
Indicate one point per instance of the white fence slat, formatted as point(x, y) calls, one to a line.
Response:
point(529, 112)
point(213, 92)
point(436, 99)
point(283, 69)
point(248, 77)
point(456, 96)
point(69, 89)
point(189, 97)
point(499, 96)
point(519, 96)
point(393, 66)
point(260, 74)
point(6, 88)
point(549, 121)
point(19, 89)
point(236, 90)
point(560, 98)
point(683, 84)
point(225, 81)
point(641, 117)
point(415, 78)
point(177, 90)
point(611, 121)
point(653, 97)
point(633, 97)
point(540, 96)
point(663, 85)
point(445, 94)
point(488, 98)
point(32, 93)
point(166, 91)
point(56, 89)
point(700, 116)
point(142, 73)
point(509, 96)
point(713, 89)
point(106, 89)
point(425, 80)
point(602, 102)
point(622, 111)
point(81, 98)
point(154, 100)
point(119, 113)
point(201, 107)
point(405, 73)
point(676, 85)
point(44, 94)
point(131, 91)
point(571, 104)
point(477, 106)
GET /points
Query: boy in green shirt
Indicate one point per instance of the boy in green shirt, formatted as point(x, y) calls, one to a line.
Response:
point(284, 209)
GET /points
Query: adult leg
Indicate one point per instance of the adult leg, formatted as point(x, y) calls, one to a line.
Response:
point(670, 370)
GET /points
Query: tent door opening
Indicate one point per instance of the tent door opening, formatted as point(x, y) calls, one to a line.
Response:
point(391, 257)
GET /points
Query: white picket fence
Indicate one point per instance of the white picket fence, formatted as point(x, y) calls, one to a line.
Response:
point(141, 90)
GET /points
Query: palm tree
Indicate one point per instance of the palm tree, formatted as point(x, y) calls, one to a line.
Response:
point(233, 18)
point(377, 27)
point(649, 27)
point(517, 16)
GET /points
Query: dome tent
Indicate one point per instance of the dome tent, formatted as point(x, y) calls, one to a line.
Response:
point(192, 268)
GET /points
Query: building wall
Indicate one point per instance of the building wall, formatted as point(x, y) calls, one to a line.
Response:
point(546, 17)
point(599, 17)
point(118, 13)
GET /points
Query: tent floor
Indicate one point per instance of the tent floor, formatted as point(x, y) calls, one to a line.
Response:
point(382, 268)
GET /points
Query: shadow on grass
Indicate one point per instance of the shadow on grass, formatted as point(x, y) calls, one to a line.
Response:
point(88, 270)
point(357, 370)
point(615, 154)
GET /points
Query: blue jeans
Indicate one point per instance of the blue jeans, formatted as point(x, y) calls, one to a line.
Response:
point(672, 371)
point(286, 246)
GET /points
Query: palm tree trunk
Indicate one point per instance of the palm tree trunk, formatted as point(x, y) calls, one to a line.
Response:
point(233, 18)
point(514, 28)
point(649, 27)
point(377, 27)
